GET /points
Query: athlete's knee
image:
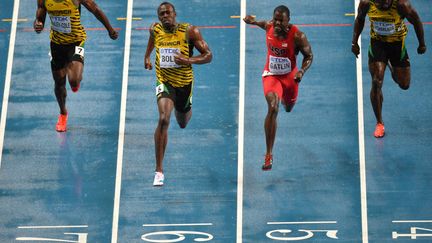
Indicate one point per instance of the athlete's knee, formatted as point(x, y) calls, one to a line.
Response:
point(273, 110)
point(182, 125)
point(74, 80)
point(404, 83)
point(404, 86)
point(183, 118)
point(164, 121)
point(59, 85)
point(289, 107)
point(377, 83)
point(272, 103)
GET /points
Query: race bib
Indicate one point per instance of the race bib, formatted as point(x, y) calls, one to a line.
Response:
point(383, 28)
point(61, 24)
point(167, 57)
point(279, 65)
point(160, 89)
point(79, 51)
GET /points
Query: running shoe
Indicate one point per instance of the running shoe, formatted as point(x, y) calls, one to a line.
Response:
point(268, 162)
point(158, 179)
point(61, 123)
point(379, 130)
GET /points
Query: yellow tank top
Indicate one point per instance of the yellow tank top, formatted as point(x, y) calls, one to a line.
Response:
point(167, 45)
point(386, 25)
point(65, 18)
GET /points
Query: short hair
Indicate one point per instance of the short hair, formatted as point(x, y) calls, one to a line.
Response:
point(283, 9)
point(167, 3)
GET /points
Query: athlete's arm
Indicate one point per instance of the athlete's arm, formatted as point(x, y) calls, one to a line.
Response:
point(39, 22)
point(149, 50)
point(406, 10)
point(250, 19)
point(359, 23)
point(200, 44)
point(302, 44)
point(100, 15)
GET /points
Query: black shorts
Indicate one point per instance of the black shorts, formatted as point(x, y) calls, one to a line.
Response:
point(181, 96)
point(395, 52)
point(61, 55)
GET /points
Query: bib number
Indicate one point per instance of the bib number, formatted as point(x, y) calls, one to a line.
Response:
point(167, 57)
point(79, 51)
point(279, 65)
point(383, 28)
point(61, 24)
point(160, 89)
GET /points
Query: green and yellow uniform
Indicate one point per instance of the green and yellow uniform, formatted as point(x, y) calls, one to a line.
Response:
point(388, 32)
point(66, 25)
point(386, 25)
point(168, 44)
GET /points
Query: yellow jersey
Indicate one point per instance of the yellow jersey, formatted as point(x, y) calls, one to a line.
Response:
point(386, 25)
point(65, 18)
point(168, 45)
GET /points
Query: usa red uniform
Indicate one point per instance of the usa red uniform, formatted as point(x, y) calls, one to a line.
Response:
point(281, 67)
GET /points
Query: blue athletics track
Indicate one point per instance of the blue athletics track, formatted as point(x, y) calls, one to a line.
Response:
point(331, 181)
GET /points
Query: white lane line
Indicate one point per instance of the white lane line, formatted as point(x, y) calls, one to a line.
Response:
point(412, 221)
point(169, 225)
point(305, 222)
point(53, 227)
point(119, 169)
point(8, 76)
point(240, 158)
point(362, 161)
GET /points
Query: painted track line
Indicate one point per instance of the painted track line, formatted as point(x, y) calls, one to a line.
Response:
point(306, 222)
point(168, 225)
point(240, 158)
point(53, 227)
point(119, 169)
point(362, 161)
point(8, 76)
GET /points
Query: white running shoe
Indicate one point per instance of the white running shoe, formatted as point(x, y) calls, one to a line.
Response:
point(158, 179)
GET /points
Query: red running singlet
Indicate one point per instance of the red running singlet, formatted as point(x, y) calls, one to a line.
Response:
point(281, 66)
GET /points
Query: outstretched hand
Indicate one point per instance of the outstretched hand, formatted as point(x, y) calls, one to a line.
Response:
point(113, 34)
point(355, 48)
point(421, 49)
point(249, 19)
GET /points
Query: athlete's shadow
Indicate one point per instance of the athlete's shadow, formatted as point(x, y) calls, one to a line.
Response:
point(70, 170)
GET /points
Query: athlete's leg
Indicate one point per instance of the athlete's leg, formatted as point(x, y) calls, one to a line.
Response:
point(290, 91)
point(183, 118)
point(270, 122)
point(402, 76)
point(60, 88)
point(74, 74)
point(376, 70)
point(165, 107)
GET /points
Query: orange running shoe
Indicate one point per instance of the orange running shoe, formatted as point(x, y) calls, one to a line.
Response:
point(379, 130)
point(61, 123)
point(268, 162)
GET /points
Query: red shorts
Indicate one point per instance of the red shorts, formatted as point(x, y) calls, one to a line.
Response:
point(283, 85)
